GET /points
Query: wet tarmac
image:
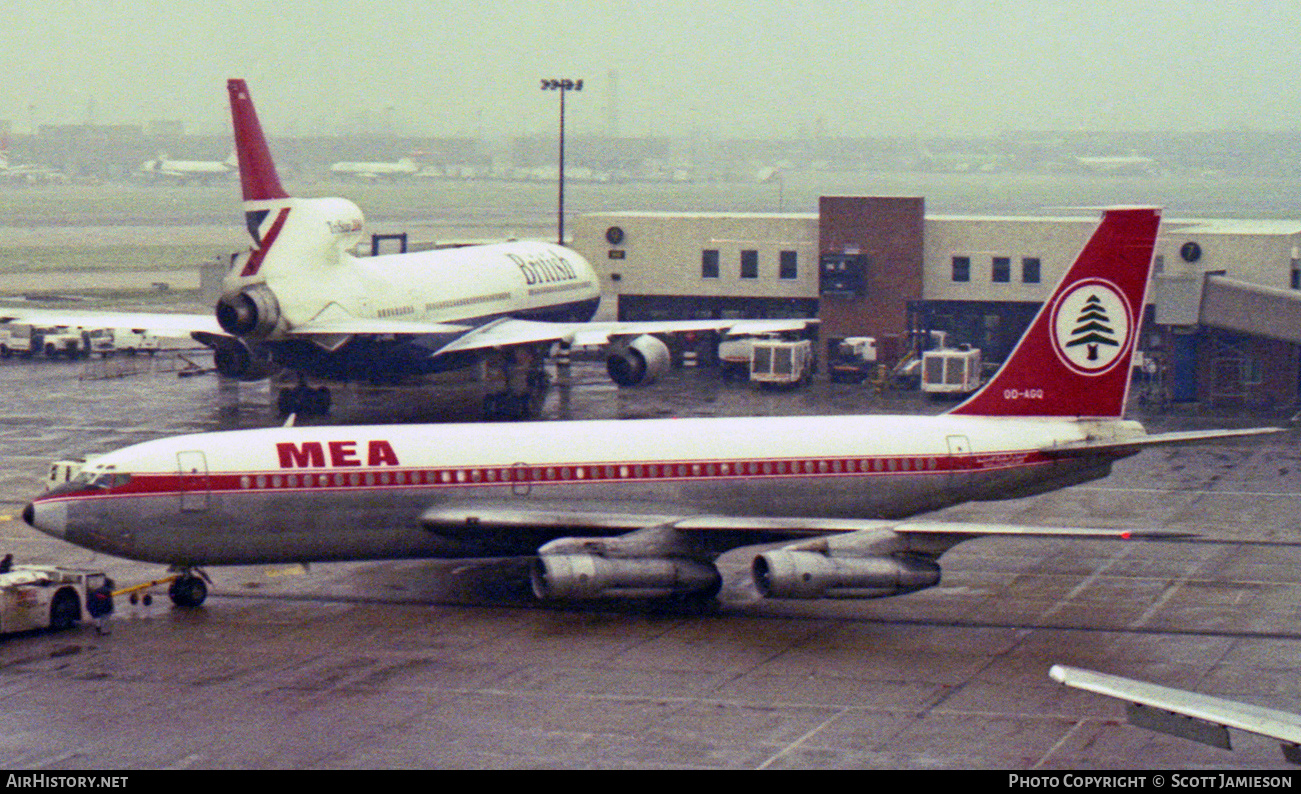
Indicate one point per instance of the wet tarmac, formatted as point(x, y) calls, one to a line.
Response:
point(450, 665)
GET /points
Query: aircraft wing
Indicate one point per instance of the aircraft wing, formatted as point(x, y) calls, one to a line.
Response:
point(143, 321)
point(507, 332)
point(367, 325)
point(1188, 714)
point(601, 332)
point(718, 533)
point(494, 517)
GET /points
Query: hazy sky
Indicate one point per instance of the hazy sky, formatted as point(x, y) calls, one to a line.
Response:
point(743, 68)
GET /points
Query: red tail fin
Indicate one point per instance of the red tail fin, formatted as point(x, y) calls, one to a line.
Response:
point(257, 172)
point(1074, 359)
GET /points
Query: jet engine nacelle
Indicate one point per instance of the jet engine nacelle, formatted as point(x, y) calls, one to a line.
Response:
point(571, 577)
point(252, 311)
point(784, 573)
point(235, 359)
point(641, 361)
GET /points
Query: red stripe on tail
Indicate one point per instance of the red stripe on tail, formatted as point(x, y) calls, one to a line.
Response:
point(1075, 358)
point(257, 172)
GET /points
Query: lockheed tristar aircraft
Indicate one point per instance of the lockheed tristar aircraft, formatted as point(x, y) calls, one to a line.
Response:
point(644, 507)
point(299, 300)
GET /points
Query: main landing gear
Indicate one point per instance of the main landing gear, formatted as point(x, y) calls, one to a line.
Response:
point(526, 404)
point(303, 400)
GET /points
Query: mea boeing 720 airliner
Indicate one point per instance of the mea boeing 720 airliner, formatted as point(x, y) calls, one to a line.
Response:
point(644, 507)
point(300, 301)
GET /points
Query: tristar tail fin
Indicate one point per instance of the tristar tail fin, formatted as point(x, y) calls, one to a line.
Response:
point(257, 172)
point(1075, 358)
point(291, 236)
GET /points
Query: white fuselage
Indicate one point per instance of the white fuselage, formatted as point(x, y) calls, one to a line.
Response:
point(332, 493)
point(444, 286)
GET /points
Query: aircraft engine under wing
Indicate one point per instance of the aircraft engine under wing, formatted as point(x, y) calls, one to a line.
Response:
point(634, 555)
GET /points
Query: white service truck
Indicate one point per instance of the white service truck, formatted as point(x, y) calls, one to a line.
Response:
point(15, 338)
point(50, 597)
point(777, 362)
point(953, 372)
point(70, 342)
point(132, 341)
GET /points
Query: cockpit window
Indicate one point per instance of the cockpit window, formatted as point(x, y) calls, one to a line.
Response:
point(92, 480)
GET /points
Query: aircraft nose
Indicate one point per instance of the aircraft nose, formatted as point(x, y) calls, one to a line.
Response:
point(49, 517)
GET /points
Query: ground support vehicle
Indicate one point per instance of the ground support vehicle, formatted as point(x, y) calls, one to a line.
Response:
point(49, 596)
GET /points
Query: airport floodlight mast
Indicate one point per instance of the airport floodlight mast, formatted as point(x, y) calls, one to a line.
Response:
point(562, 86)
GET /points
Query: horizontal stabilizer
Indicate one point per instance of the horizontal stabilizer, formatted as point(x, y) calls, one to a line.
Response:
point(1091, 445)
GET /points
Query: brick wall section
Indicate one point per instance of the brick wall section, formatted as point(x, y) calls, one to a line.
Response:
point(889, 231)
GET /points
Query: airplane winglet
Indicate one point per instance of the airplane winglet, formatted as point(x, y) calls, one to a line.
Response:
point(257, 171)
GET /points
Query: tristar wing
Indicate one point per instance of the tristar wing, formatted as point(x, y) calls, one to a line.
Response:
point(507, 332)
point(597, 333)
point(1189, 715)
point(145, 321)
point(368, 325)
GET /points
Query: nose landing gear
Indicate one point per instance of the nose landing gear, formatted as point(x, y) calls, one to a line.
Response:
point(189, 591)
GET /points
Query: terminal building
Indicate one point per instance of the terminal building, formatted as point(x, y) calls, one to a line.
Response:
point(1223, 324)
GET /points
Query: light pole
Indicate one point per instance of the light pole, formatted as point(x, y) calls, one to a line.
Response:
point(562, 86)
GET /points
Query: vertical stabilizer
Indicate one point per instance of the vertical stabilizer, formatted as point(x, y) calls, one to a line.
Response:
point(1075, 358)
point(257, 172)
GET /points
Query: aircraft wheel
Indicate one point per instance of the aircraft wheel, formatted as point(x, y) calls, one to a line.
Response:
point(188, 592)
point(287, 402)
point(317, 401)
point(65, 611)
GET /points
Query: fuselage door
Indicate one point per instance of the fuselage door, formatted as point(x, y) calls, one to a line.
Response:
point(959, 467)
point(521, 479)
point(959, 445)
point(194, 482)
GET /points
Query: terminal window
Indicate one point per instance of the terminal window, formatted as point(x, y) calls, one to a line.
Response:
point(788, 268)
point(709, 264)
point(1002, 272)
point(962, 268)
point(1030, 270)
point(749, 264)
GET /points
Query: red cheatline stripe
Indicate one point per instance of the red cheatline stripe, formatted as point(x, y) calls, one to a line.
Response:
point(385, 477)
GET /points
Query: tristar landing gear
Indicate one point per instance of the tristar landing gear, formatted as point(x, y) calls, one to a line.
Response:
point(525, 383)
point(304, 400)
